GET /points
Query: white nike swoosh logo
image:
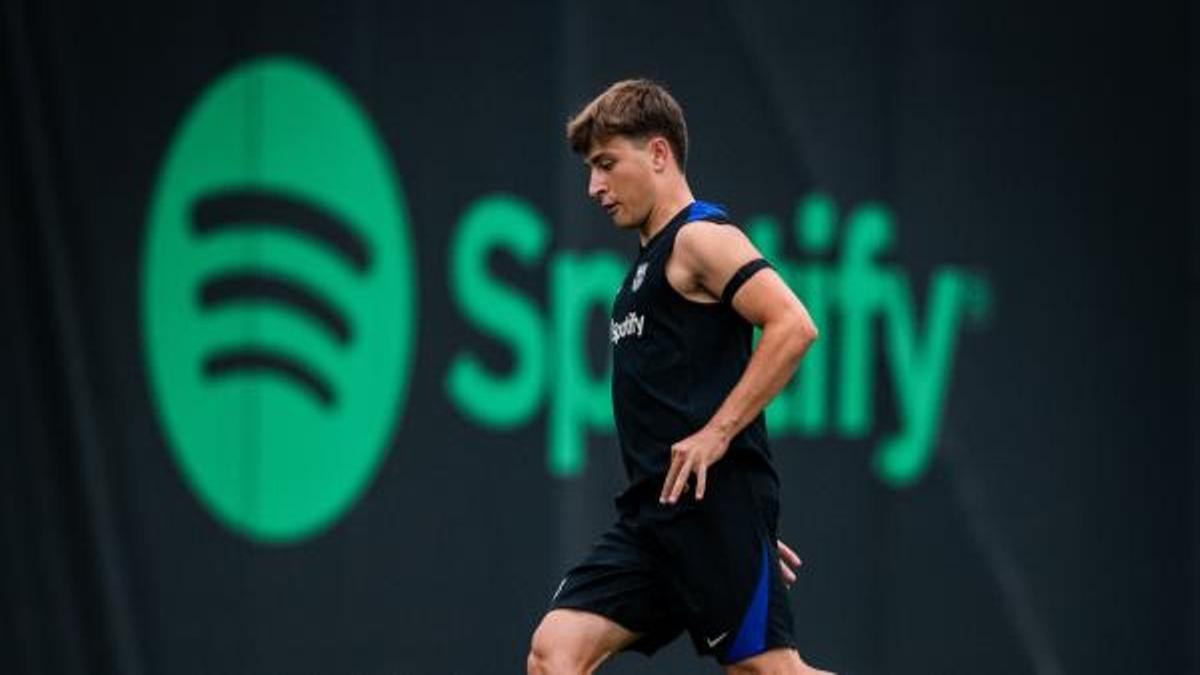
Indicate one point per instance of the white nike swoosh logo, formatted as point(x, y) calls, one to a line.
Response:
point(712, 642)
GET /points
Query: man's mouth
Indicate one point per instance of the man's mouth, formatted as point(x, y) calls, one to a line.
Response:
point(611, 209)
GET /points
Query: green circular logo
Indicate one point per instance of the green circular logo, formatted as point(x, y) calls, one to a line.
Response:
point(278, 299)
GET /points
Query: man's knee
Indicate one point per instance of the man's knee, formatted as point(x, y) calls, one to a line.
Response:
point(573, 642)
point(548, 656)
point(774, 662)
point(544, 661)
point(554, 650)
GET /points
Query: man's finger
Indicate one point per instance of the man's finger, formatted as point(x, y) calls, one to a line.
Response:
point(788, 555)
point(681, 479)
point(676, 462)
point(701, 479)
point(789, 577)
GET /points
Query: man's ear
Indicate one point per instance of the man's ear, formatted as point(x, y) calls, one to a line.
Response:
point(660, 153)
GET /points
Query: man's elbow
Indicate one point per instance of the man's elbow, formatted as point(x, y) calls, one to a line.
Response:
point(801, 333)
point(809, 331)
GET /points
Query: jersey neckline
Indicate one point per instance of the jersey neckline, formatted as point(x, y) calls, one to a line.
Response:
point(704, 210)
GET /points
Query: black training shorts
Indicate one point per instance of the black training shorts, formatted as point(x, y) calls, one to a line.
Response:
point(709, 567)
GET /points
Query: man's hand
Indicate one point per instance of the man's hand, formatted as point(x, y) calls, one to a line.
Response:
point(789, 563)
point(693, 455)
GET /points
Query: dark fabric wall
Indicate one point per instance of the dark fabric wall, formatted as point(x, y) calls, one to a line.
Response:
point(1194, 402)
point(1042, 154)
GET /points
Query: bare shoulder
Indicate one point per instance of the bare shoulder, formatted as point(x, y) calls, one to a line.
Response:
point(705, 232)
point(703, 244)
point(705, 256)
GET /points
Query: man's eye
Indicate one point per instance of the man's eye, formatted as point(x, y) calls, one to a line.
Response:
point(607, 164)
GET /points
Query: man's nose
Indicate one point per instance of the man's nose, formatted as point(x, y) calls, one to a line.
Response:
point(596, 186)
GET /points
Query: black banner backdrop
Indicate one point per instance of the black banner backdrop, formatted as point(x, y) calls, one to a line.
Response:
point(1022, 172)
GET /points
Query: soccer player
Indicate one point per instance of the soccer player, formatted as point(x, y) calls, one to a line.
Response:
point(694, 546)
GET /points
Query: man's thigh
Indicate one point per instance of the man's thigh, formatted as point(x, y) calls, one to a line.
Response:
point(621, 581)
point(580, 638)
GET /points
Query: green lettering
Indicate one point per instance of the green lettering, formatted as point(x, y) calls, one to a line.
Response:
point(920, 368)
point(498, 400)
point(815, 228)
point(582, 399)
point(860, 287)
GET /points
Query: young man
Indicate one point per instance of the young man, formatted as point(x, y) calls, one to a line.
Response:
point(694, 546)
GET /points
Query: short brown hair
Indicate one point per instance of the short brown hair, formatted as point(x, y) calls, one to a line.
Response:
point(634, 108)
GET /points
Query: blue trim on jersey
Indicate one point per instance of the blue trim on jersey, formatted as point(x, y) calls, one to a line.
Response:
point(705, 211)
point(752, 636)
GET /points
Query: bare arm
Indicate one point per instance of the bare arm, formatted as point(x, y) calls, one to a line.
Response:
point(705, 257)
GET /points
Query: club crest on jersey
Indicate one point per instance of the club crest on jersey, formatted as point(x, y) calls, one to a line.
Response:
point(638, 277)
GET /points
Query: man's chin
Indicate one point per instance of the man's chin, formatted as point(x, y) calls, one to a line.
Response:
point(623, 221)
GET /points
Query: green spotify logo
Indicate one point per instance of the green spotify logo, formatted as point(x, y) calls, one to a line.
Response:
point(278, 299)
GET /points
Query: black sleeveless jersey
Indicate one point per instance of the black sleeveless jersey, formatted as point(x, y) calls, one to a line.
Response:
point(674, 360)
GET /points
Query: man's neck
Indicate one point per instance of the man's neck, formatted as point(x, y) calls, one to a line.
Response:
point(663, 211)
